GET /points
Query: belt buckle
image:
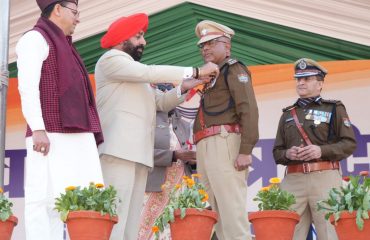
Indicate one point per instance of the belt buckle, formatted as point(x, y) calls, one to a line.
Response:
point(306, 168)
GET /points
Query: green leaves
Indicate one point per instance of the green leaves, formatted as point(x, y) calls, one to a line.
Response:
point(191, 194)
point(94, 198)
point(273, 198)
point(5, 207)
point(354, 196)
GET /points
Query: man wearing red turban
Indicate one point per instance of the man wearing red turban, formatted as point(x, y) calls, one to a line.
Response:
point(127, 106)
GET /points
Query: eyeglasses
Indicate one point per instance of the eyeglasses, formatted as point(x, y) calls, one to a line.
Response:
point(210, 43)
point(74, 11)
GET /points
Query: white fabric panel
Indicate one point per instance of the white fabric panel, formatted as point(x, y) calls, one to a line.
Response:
point(344, 19)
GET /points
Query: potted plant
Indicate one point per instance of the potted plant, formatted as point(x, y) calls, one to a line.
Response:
point(89, 212)
point(274, 215)
point(186, 212)
point(7, 220)
point(348, 207)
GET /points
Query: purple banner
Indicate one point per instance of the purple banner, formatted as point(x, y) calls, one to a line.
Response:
point(264, 168)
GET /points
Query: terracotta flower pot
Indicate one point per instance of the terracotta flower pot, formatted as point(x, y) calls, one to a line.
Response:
point(274, 224)
point(196, 225)
point(346, 227)
point(89, 225)
point(6, 228)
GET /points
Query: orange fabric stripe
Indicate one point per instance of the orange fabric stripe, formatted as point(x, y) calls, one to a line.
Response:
point(262, 75)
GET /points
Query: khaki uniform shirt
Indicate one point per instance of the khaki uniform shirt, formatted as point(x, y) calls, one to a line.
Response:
point(244, 111)
point(315, 120)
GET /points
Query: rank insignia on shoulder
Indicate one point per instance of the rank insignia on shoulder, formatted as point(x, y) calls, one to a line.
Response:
point(346, 122)
point(232, 61)
point(243, 78)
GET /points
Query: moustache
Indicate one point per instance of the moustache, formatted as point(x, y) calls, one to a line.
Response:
point(141, 47)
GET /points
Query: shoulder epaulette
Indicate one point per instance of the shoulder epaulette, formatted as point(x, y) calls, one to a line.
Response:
point(232, 61)
point(289, 107)
point(331, 101)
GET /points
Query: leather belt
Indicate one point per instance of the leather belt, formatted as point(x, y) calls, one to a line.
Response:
point(213, 130)
point(312, 167)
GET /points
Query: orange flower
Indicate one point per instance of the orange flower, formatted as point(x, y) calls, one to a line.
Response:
point(275, 180)
point(190, 182)
point(163, 187)
point(205, 198)
point(202, 192)
point(1, 190)
point(346, 178)
point(99, 185)
point(70, 188)
point(265, 189)
point(177, 186)
point(196, 175)
point(155, 229)
point(364, 173)
point(185, 177)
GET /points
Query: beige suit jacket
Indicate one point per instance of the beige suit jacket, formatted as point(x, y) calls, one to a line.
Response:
point(127, 104)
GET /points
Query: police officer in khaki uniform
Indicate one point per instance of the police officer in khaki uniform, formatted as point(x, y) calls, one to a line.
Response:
point(225, 132)
point(313, 136)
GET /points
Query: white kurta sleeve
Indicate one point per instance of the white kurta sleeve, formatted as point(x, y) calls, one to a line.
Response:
point(32, 49)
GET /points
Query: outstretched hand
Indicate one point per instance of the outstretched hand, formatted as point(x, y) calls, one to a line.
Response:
point(191, 83)
point(209, 70)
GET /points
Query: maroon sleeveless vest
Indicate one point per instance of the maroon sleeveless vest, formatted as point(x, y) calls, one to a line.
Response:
point(49, 97)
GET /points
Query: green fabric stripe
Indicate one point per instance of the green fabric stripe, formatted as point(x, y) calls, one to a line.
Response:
point(171, 40)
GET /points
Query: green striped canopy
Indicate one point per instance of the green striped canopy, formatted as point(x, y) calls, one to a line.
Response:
point(171, 40)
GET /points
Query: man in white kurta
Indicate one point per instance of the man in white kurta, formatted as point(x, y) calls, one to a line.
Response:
point(127, 106)
point(57, 156)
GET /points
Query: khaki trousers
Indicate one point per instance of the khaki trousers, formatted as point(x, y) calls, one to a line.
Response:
point(309, 189)
point(129, 178)
point(227, 188)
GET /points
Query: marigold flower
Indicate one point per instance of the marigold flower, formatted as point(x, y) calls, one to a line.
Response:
point(177, 186)
point(185, 177)
point(265, 189)
point(205, 198)
point(196, 175)
point(99, 185)
point(190, 182)
point(275, 180)
point(155, 229)
point(70, 188)
point(364, 173)
point(1, 190)
point(202, 192)
point(346, 178)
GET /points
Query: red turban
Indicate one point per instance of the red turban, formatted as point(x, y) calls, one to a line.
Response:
point(124, 28)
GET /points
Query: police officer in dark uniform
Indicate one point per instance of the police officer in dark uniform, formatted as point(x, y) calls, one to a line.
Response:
point(225, 132)
point(314, 134)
